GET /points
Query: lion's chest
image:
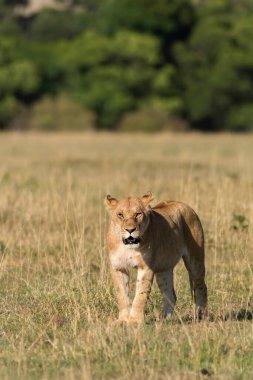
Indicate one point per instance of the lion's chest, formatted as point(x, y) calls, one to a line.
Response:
point(125, 258)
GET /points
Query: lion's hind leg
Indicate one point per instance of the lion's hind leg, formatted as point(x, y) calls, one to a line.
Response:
point(165, 283)
point(196, 269)
point(194, 259)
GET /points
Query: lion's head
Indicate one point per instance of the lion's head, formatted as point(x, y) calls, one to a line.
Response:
point(130, 217)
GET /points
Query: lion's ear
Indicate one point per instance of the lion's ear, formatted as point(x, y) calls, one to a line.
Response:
point(111, 202)
point(147, 198)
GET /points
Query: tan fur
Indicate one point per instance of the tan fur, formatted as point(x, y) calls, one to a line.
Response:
point(154, 240)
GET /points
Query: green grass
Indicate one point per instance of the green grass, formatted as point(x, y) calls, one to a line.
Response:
point(56, 298)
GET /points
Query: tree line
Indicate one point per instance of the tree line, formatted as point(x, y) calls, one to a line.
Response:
point(128, 65)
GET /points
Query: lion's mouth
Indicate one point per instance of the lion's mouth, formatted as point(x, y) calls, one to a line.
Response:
point(131, 240)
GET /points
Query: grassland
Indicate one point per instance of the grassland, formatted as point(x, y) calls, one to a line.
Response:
point(56, 298)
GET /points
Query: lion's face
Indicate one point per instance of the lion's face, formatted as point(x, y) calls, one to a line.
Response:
point(130, 218)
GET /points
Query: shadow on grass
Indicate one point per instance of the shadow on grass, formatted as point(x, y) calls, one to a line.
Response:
point(232, 315)
point(240, 315)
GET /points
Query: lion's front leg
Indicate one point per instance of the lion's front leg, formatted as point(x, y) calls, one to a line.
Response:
point(143, 286)
point(121, 285)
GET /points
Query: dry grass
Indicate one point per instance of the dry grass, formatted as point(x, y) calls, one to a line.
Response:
point(56, 299)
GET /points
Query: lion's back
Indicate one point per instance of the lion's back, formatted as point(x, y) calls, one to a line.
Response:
point(184, 217)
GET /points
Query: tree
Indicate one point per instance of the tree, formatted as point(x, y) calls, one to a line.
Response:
point(112, 75)
point(169, 21)
point(18, 79)
point(216, 67)
point(52, 25)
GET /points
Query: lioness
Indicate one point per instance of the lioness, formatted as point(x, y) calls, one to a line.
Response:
point(153, 240)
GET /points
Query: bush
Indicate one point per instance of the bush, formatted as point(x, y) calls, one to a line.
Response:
point(148, 120)
point(8, 108)
point(240, 118)
point(57, 114)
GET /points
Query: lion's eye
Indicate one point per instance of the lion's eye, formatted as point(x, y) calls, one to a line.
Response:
point(120, 215)
point(138, 214)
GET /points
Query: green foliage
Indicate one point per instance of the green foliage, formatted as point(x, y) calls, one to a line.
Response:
point(184, 59)
point(162, 17)
point(19, 76)
point(18, 79)
point(145, 120)
point(136, 48)
point(58, 115)
point(240, 118)
point(217, 67)
point(109, 89)
point(84, 52)
point(8, 108)
point(43, 26)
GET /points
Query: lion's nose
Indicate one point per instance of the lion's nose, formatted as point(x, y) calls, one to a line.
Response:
point(130, 230)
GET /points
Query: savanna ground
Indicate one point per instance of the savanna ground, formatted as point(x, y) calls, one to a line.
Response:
point(56, 299)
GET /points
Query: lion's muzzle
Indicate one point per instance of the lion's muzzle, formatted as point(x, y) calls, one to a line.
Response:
point(131, 240)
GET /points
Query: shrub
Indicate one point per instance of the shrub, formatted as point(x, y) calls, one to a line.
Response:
point(240, 118)
point(149, 120)
point(56, 114)
point(8, 107)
